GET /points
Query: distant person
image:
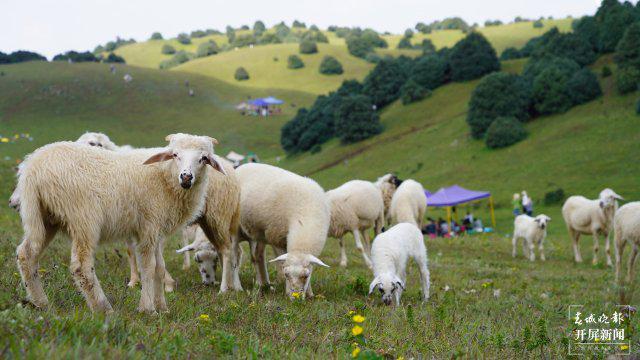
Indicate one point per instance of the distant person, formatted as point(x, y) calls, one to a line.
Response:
point(186, 83)
point(431, 229)
point(516, 204)
point(112, 68)
point(527, 203)
point(191, 93)
point(477, 225)
point(467, 221)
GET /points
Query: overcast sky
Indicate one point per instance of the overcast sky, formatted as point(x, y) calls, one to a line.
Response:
point(51, 27)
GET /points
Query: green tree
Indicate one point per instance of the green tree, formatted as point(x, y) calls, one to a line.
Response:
point(259, 28)
point(113, 58)
point(627, 80)
point(308, 47)
point(628, 50)
point(411, 92)
point(241, 74)
point(330, 66)
point(405, 43)
point(184, 39)
point(510, 53)
point(168, 49)
point(383, 83)
point(427, 47)
point(156, 36)
point(356, 120)
point(358, 46)
point(505, 131)
point(570, 46)
point(429, 71)
point(550, 92)
point(587, 27)
point(207, 48)
point(294, 62)
point(472, 57)
point(584, 86)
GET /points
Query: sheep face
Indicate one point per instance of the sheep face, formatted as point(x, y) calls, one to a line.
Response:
point(297, 269)
point(189, 154)
point(608, 199)
point(207, 261)
point(389, 285)
point(542, 221)
point(98, 140)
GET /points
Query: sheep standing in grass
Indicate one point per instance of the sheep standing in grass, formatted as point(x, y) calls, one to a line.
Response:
point(626, 224)
point(289, 212)
point(390, 252)
point(95, 195)
point(409, 203)
point(356, 206)
point(532, 231)
point(591, 217)
point(387, 184)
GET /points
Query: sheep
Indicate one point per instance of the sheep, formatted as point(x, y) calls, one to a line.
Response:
point(387, 184)
point(591, 217)
point(626, 224)
point(356, 206)
point(390, 252)
point(532, 231)
point(101, 140)
point(95, 195)
point(409, 203)
point(205, 254)
point(289, 212)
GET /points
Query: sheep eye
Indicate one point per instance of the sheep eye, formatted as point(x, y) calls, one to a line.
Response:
point(92, 143)
point(381, 290)
point(175, 155)
point(204, 158)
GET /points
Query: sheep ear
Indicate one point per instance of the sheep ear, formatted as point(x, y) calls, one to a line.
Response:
point(618, 197)
point(215, 164)
point(537, 220)
point(163, 156)
point(214, 141)
point(189, 247)
point(315, 261)
point(169, 137)
point(601, 204)
point(399, 282)
point(282, 257)
point(374, 284)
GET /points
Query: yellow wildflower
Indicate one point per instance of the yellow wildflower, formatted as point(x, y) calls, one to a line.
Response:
point(624, 347)
point(355, 352)
point(351, 312)
point(42, 270)
point(4, 140)
point(597, 340)
point(358, 318)
point(400, 358)
point(357, 330)
point(16, 274)
point(204, 317)
point(296, 295)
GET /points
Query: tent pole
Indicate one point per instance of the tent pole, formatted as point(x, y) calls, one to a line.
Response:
point(493, 216)
point(449, 217)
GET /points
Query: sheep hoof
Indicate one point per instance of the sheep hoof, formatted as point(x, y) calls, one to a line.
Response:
point(39, 303)
point(132, 283)
point(343, 264)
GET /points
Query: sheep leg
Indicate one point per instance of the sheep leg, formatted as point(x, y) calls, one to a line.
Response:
point(343, 253)
point(514, 243)
point(262, 275)
point(575, 236)
point(228, 268)
point(425, 277)
point(308, 294)
point(596, 248)
point(237, 285)
point(186, 261)
point(607, 249)
point(160, 280)
point(169, 281)
point(356, 236)
point(525, 248)
point(134, 278)
point(28, 257)
point(620, 243)
point(541, 249)
point(532, 253)
point(367, 241)
point(147, 263)
point(632, 261)
point(83, 270)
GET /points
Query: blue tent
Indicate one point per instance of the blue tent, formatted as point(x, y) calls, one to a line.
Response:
point(258, 102)
point(273, 101)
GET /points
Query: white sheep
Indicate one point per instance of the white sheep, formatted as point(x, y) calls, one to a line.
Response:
point(591, 217)
point(387, 184)
point(626, 224)
point(205, 254)
point(409, 203)
point(390, 252)
point(95, 195)
point(356, 206)
point(289, 212)
point(532, 231)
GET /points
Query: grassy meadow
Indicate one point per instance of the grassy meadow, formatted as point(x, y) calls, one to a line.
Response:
point(483, 304)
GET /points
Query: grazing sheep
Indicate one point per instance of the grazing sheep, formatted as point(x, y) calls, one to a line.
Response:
point(390, 252)
point(591, 217)
point(95, 195)
point(289, 212)
point(532, 231)
point(356, 206)
point(387, 184)
point(409, 203)
point(626, 224)
point(205, 254)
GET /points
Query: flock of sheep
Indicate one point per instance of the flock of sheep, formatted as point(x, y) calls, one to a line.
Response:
point(95, 191)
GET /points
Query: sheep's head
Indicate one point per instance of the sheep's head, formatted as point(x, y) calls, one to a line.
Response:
point(389, 285)
point(98, 140)
point(190, 154)
point(542, 221)
point(608, 199)
point(297, 269)
point(207, 258)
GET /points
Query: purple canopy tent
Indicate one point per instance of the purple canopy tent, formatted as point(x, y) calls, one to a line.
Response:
point(456, 195)
point(258, 102)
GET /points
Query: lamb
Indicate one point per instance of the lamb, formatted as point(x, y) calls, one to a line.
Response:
point(101, 140)
point(390, 252)
point(95, 195)
point(532, 231)
point(356, 206)
point(626, 224)
point(289, 212)
point(409, 203)
point(591, 217)
point(205, 254)
point(387, 184)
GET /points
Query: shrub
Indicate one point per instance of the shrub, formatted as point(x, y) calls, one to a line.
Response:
point(613, 18)
point(356, 120)
point(408, 33)
point(294, 62)
point(198, 34)
point(156, 36)
point(550, 92)
point(180, 57)
point(538, 43)
point(358, 46)
point(241, 74)
point(23, 56)
point(207, 48)
point(184, 39)
point(554, 197)
point(606, 71)
point(330, 66)
point(472, 57)
point(383, 83)
point(587, 28)
point(308, 47)
point(405, 43)
point(505, 131)
point(570, 46)
point(113, 58)
point(429, 71)
point(75, 56)
point(316, 36)
point(628, 50)
point(510, 53)
point(538, 24)
point(411, 91)
point(638, 107)
point(269, 38)
point(244, 40)
point(373, 58)
point(299, 24)
point(627, 80)
point(427, 47)
point(498, 95)
point(537, 66)
point(168, 49)
point(259, 28)
point(583, 86)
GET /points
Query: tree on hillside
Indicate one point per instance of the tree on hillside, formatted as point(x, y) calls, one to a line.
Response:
point(259, 28)
point(427, 47)
point(429, 71)
point(613, 18)
point(113, 58)
point(241, 74)
point(550, 92)
point(472, 57)
point(308, 47)
point(538, 24)
point(356, 120)
point(536, 44)
point(583, 86)
point(628, 50)
point(505, 131)
point(358, 46)
point(207, 48)
point(405, 43)
point(383, 83)
point(168, 49)
point(587, 28)
point(498, 95)
point(76, 57)
point(156, 36)
point(570, 46)
point(294, 62)
point(330, 66)
point(537, 66)
point(180, 57)
point(411, 92)
point(197, 34)
point(510, 53)
point(299, 24)
point(423, 28)
point(24, 56)
point(291, 131)
point(184, 39)
point(231, 34)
